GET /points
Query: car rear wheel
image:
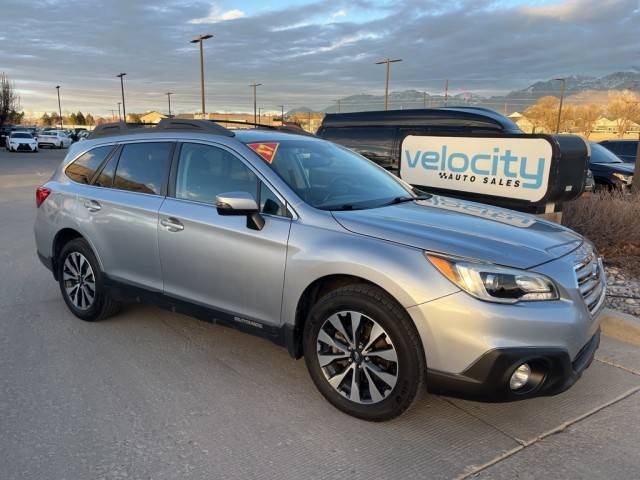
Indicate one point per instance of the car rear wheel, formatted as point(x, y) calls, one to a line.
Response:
point(82, 282)
point(363, 353)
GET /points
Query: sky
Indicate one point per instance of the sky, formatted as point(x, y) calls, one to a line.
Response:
point(303, 52)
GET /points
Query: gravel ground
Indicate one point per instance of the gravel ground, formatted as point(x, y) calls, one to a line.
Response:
point(623, 291)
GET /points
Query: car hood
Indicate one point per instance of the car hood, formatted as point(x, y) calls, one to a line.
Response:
point(625, 168)
point(466, 229)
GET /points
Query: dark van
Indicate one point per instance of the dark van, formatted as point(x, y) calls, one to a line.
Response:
point(467, 152)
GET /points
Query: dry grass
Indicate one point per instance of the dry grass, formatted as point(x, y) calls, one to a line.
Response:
point(611, 220)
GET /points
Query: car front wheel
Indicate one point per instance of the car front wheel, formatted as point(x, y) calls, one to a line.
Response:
point(363, 353)
point(82, 282)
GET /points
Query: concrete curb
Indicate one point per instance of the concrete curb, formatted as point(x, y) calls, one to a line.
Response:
point(620, 326)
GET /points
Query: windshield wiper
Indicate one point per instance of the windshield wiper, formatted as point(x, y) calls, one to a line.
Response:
point(408, 198)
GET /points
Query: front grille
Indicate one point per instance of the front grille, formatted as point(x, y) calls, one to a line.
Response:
point(591, 281)
point(24, 146)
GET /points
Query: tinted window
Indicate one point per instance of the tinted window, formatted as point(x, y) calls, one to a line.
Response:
point(599, 154)
point(629, 148)
point(205, 171)
point(83, 168)
point(21, 135)
point(105, 179)
point(142, 167)
point(375, 143)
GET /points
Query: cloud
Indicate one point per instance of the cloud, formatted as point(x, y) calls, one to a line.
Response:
point(298, 54)
point(216, 16)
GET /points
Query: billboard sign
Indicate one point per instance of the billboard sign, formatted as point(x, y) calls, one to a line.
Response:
point(509, 167)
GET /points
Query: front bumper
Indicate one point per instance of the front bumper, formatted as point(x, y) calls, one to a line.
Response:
point(488, 378)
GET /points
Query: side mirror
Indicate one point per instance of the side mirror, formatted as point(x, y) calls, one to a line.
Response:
point(243, 204)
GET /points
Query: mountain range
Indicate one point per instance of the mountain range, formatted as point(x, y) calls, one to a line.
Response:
point(580, 88)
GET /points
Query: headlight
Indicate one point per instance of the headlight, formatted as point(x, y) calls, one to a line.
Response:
point(494, 283)
point(623, 177)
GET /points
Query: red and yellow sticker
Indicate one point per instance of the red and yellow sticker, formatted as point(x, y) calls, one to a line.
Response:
point(266, 150)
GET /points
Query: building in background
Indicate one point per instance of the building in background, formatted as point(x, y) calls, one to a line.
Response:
point(523, 122)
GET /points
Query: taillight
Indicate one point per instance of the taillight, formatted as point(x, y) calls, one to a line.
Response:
point(41, 195)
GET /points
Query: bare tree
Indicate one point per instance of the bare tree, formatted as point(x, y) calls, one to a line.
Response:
point(544, 114)
point(9, 99)
point(586, 117)
point(624, 107)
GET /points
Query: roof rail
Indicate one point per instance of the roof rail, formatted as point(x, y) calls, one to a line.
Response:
point(122, 128)
point(280, 128)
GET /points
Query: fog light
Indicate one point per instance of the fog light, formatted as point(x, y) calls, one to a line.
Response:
point(520, 377)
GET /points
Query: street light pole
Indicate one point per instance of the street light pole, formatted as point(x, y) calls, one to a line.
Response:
point(169, 100)
point(119, 116)
point(59, 107)
point(254, 85)
point(446, 92)
point(387, 61)
point(562, 85)
point(282, 114)
point(124, 109)
point(200, 39)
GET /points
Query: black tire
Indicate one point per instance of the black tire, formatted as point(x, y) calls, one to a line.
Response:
point(103, 305)
point(411, 365)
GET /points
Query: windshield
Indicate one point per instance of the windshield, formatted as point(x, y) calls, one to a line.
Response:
point(330, 177)
point(21, 135)
point(599, 154)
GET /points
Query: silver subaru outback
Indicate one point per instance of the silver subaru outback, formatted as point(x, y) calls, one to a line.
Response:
point(381, 288)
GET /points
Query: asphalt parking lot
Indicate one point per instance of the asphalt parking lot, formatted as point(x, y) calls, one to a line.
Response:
point(152, 394)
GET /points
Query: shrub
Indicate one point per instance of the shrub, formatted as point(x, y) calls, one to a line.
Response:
point(611, 220)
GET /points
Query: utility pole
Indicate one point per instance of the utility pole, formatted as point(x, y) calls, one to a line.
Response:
point(124, 109)
point(387, 61)
point(446, 92)
point(259, 114)
point(200, 39)
point(254, 85)
point(282, 114)
point(59, 107)
point(119, 116)
point(562, 85)
point(339, 108)
point(113, 114)
point(425, 99)
point(169, 100)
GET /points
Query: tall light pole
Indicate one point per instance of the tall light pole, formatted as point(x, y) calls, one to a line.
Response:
point(259, 114)
point(124, 109)
point(59, 107)
point(200, 39)
point(562, 85)
point(387, 61)
point(119, 115)
point(338, 103)
point(446, 92)
point(254, 85)
point(169, 100)
point(425, 99)
point(282, 114)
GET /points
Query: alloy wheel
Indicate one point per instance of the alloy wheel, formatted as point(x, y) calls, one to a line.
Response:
point(357, 357)
point(79, 280)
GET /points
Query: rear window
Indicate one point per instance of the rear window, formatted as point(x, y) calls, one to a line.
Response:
point(84, 167)
point(142, 167)
point(375, 143)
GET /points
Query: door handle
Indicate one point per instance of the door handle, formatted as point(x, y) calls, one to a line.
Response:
point(92, 205)
point(172, 224)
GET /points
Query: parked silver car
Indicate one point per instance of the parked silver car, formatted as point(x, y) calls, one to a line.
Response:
point(381, 288)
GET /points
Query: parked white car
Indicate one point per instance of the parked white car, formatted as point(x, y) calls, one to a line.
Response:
point(54, 139)
point(21, 141)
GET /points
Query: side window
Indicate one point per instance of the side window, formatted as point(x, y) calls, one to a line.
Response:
point(83, 168)
point(142, 167)
point(105, 179)
point(269, 203)
point(205, 171)
point(375, 143)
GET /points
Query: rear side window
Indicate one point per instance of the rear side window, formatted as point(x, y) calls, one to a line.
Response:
point(142, 167)
point(105, 178)
point(84, 167)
